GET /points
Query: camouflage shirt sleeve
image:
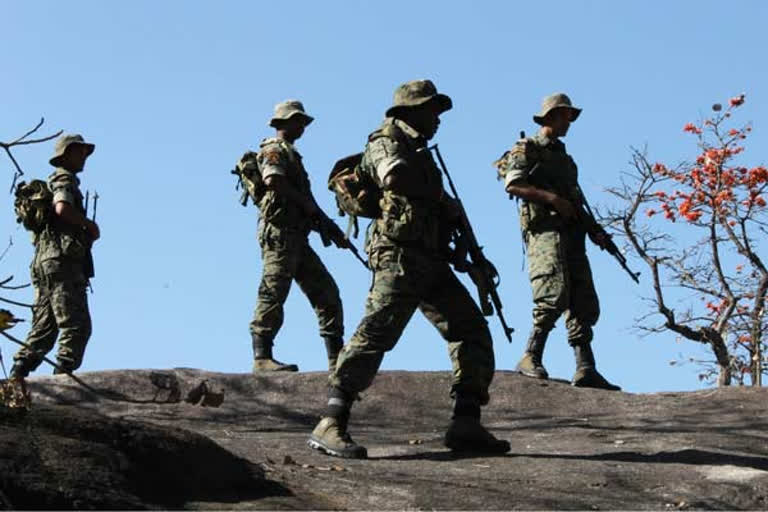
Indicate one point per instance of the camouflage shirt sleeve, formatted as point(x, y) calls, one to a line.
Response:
point(518, 164)
point(64, 187)
point(273, 161)
point(384, 154)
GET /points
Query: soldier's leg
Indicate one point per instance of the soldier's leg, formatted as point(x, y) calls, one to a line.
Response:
point(69, 302)
point(41, 337)
point(451, 309)
point(583, 313)
point(548, 276)
point(388, 308)
point(323, 294)
point(280, 254)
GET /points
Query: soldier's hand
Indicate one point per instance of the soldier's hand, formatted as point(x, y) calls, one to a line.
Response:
point(7, 320)
point(93, 229)
point(565, 208)
point(599, 238)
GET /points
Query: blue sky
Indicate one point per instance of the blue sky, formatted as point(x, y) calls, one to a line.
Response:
point(173, 92)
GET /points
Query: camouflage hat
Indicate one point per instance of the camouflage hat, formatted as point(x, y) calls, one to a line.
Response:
point(418, 92)
point(553, 101)
point(63, 142)
point(287, 109)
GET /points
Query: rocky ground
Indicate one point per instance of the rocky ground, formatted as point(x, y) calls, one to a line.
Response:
point(571, 448)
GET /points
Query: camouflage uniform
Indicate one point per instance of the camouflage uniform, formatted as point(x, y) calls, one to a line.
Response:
point(411, 271)
point(60, 272)
point(286, 254)
point(558, 268)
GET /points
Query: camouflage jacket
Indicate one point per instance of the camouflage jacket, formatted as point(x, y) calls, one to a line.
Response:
point(63, 249)
point(279, 157)
point(543, 163)
point(405, 222)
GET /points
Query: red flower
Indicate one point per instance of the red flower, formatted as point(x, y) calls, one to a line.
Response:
point(691, 128)
point(693, 216)
point(733, 132)
point(736, 101)
point(650, 212)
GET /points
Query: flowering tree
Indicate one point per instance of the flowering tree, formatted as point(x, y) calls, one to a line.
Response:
point(711, 290)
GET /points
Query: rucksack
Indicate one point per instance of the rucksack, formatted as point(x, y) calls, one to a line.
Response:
point(249, 178)
point(356, 193)
point(33, 205)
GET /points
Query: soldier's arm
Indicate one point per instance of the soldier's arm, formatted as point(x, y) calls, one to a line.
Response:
point(283, 188)
point(274, 174)
point(63, 200)
point(393, 171)
point(529, 192)
point(517, 184)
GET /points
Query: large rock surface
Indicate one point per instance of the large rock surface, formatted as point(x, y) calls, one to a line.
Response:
point(571, 448)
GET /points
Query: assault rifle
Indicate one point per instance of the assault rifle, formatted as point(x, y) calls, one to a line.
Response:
point(482, 271)
point(595, 231)
point(331, 233)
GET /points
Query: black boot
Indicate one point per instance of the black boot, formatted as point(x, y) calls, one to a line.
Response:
point(263, 361)
point(586, 375)
point(467, 434)
point(333, 346)
point(531, 363)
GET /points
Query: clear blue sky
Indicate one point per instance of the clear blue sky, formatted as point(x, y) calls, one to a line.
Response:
point(173, 92)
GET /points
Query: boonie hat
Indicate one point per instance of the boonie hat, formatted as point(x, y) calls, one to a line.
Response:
point(63, 142)
point(553, 101)
point(418, 92)
point(288, 109)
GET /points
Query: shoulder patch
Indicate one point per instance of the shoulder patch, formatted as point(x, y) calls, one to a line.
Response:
point(271, 156)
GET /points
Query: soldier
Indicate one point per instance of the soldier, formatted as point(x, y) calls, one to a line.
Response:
point(288, 212)
point(539, 171)
point(410, 272)
point(61, 268)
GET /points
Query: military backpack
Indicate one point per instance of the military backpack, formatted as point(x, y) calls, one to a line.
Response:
point(33, 205)
point(249, 178)
point(356, 193)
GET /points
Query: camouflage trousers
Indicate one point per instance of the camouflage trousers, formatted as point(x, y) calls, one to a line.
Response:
point(561, 281)
point(286, 256)
point(60, 310)
point(402, 283)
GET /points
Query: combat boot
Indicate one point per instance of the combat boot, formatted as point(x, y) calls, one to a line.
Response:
point(330, 436)
point(531, 364)
point(586, 375)
point(263, 361)
point(467, 434)
point(333, 346)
